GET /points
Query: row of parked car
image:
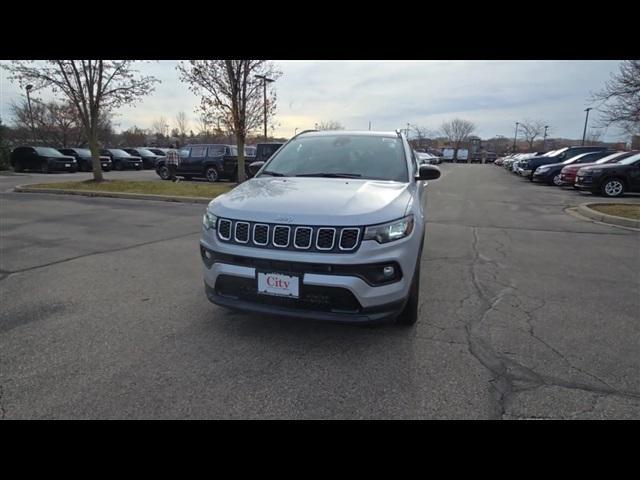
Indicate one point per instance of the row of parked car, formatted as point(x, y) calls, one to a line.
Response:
point(196, 159)
point(598, 170)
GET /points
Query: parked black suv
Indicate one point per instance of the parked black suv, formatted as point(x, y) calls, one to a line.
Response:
point(211, 161)
point(84, 159)
point(264, 151)
point(161, 152)
point(122, 159)
point(42, 159)
point(558, 156)
point(611, 179)
point(550, 174)
point(149, 159)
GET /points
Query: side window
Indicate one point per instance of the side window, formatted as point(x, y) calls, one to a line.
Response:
point(183, 153)
point(414, 161)
point(198, 151)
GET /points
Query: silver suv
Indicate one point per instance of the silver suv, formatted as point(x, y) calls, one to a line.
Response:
point(330, 228)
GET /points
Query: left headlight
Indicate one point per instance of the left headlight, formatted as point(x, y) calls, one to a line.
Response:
point(542, 169)
point(388, 232)
point(209, 220)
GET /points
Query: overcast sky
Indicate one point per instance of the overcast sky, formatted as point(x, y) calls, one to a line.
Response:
point(390, 94)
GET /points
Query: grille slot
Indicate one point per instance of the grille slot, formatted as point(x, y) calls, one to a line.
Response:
point(349, 238)
point(224, 229)
point(325, 238)
point(241, 232)
point(261, 234)
point(303, 237)
point(281, 236)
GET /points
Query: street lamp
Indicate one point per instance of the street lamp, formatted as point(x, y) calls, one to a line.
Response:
point(295, 132)
point(584, 133)
point(515, 137)
point(33, 129)
point(265, 80)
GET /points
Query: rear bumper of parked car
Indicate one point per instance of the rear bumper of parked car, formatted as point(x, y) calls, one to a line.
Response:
point(230, 277)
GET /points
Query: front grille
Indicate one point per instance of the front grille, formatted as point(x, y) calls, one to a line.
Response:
point(349, 238)
point(325, 239)
point(281, 236)
point(290, 237)
point(312, 297)
point(242, 232)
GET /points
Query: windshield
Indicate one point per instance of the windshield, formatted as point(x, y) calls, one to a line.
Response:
point(558, 152)
point(365, 156)
point(121, 153)
point(49, 152)
point(144, 152)
point(609, 158)
point(84, 152)
point(630, 160)
point(575, 159)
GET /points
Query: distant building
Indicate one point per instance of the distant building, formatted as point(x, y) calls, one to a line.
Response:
point(635, 142)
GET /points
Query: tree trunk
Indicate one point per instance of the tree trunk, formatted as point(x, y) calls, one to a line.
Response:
point(240, 144)
point(95, 158)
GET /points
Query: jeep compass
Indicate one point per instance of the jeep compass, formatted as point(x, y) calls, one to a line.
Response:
point(331, 228)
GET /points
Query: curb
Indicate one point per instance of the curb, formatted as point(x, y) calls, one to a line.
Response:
point(584, 210)
point(130, 196)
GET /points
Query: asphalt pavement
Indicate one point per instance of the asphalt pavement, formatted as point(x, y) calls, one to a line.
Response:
point(526, 312)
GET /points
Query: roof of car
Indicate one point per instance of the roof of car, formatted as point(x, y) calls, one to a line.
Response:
point(329, 133)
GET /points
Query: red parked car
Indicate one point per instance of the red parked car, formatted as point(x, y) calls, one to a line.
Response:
point(568, 173)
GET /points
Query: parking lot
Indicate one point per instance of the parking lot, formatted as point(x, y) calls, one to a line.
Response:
point(527, 312)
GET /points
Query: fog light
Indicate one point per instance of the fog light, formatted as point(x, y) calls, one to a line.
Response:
point(207, 254)
point(388, 271)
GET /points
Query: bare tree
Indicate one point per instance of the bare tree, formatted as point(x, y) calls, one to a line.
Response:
point(423, 136)
point(231, 94)
point(92, 86)
point(530, 130)
point(182, 125)
point(620, 98)
point(593, 137)
point(329, 125)
point(458, 131)
point(160, 126)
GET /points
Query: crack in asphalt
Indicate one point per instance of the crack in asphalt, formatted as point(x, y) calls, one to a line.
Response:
point(7, 273)
point(503, 227)
point(506, 371)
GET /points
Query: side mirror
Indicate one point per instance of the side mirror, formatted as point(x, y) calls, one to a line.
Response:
point(428, 172)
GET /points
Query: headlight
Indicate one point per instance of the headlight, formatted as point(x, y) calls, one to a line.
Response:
point(542, 169)
point(388, 232)
point(209, 221)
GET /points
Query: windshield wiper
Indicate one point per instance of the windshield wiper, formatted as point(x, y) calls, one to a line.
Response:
point(331, 175)
point(273, 174)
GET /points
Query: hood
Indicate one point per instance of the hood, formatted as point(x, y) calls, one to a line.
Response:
point(315, 201)
point(604, 166)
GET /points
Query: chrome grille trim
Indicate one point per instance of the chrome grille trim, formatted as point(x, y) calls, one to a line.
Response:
point(253, 236)
point(220, 222)
point(295, 238)
point(235, 232)
point(357, 230)
point(273, 237)
point(333, 238)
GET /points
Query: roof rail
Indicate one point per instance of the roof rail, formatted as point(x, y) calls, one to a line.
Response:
point(304, 131)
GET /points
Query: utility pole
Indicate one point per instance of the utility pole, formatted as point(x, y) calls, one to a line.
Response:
point(369, 124)
point(515, 137)
point(33, 128)
point(584, 133)
point(264, 87)
point(544, 143)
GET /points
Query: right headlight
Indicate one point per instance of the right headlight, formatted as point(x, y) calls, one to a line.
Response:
point(388, 232)
point(209, 220)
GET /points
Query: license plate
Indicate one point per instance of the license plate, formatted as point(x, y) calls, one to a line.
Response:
point(278, 284)
point(67, 164)
point(104, 165)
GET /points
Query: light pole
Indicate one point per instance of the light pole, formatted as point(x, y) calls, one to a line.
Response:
point(295, 132)
point(407, 132)
point(369, 124)
point(33, 129)
point(544, 142)
point(515, 137)
point(584, 133)
point(264, 87)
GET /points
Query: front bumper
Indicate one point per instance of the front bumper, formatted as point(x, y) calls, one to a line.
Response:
point(323, 295)
point(567, 179)
point(541, 177)
point(525, 173)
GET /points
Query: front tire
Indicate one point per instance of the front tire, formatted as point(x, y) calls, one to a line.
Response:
point(212, 175)
point(163, 172)
point(556, 180)
point(85, 167)
point(118, 165)
point(44, 167)
point(613, 187)
point(18, 167)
